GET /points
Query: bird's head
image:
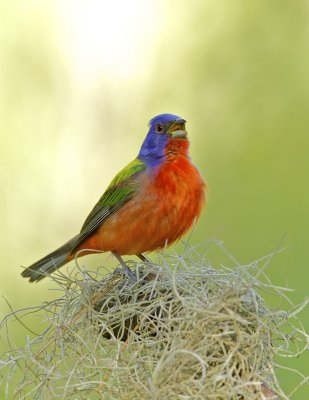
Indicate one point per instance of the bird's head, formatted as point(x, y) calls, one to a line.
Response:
point(164, 131)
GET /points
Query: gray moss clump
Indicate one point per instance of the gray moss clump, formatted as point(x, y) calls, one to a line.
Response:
point(183, 331)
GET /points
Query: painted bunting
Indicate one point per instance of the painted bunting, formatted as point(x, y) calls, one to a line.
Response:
point(149, 204)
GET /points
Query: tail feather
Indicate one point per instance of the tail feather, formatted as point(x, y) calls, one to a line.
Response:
point(50, 263)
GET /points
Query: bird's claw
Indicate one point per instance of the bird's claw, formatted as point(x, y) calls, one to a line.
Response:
point(130, 274)
point(126, 271)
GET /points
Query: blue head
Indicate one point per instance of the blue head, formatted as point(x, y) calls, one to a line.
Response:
point(162, 129)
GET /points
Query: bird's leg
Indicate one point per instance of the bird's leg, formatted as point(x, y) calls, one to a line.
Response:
point(130, 274)
point(151, 275)
point(143, 258)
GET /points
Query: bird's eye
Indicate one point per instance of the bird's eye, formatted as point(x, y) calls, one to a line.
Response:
point(159, 128)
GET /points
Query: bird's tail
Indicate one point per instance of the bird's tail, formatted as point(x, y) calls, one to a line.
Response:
point(50, 263)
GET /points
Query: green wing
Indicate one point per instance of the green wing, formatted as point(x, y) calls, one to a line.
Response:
point(119, 192)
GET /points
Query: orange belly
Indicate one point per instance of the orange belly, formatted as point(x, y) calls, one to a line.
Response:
point(164, 208)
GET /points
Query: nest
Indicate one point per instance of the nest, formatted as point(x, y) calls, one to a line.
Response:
point(183, 331)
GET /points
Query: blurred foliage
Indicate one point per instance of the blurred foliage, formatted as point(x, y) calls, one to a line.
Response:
point(237, 71)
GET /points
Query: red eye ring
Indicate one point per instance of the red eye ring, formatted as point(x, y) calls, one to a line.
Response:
point(159, 128)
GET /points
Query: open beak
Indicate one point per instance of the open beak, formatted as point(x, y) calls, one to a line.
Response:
point(178, 129)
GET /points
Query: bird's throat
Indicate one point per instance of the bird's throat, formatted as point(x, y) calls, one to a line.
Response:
point(177, 147)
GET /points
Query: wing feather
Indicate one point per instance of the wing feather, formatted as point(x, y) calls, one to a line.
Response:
point(118, 193)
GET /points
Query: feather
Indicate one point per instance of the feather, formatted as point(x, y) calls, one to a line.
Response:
point(119, 192)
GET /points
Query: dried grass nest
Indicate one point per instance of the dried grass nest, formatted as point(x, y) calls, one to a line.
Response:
point(183, 331)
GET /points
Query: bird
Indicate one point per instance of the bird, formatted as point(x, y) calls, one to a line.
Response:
point(150, 204)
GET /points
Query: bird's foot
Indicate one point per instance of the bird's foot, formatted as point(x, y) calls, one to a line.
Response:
point(128, 272)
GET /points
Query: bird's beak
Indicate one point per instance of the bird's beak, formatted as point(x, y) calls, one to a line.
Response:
point(178, 129)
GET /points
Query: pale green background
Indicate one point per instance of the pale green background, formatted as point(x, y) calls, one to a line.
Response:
point(79, 82)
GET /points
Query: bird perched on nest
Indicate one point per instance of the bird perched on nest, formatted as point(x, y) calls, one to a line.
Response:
point(149, 204)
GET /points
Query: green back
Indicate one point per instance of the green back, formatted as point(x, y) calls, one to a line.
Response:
point(121, 189)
